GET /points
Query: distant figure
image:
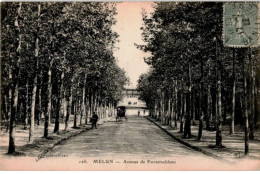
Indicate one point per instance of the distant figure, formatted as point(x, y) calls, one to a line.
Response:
point(94, 120)
point(138, 113)
point(144, 112)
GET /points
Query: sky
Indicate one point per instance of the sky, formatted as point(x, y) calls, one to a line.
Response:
point(129, 22)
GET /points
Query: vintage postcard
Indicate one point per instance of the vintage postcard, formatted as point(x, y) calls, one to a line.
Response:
point(130, 86)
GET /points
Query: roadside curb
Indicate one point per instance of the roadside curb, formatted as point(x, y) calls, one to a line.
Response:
point(188, 144)
point(45, 151)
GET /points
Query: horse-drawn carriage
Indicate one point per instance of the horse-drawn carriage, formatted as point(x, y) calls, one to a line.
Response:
point(120, 112)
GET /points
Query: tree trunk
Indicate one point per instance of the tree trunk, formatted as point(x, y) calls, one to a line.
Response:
point(193, 108)
point(201, 115)
point(232, 126)
point(245, 110)
point(95, 103)
point(62, 96)
point(246, 119)
point(33, 105)
point(69, 105)
point(87, 113)
point(113, 109)
point(75, 114)
point(176, 105)
point(91, 104)
point(64, 103)
point(13, 108)
point(9, 97)
point(27, 105)
point(86, 106)
point(256, 101)
point(9, 108)
point(187, 128)
point(40, 105)
point(81, 113)
point(255, 98)
point(183, 112)
point(75, 111)
point(48, 115)
point(6, 104)
point(105, 109)
point(14, 95)
point(50, 94)
point(98, 107)
point(57, 118)
point(160, 108)
point(173, 111)
point(219, 115)
point(155, 109)
point(209, 111)
point(163, 108)
point(101, 111)
point(58, 104)
point(110, 109)
point(14, 102)
point(11, 148)
point(169, 112)
point(31, 130)
point(82, 104)
point(251, 98)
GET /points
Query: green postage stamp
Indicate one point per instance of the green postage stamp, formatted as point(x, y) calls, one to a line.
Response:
point(241, 24)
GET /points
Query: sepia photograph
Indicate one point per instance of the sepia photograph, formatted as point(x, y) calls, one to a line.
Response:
point(130, 86)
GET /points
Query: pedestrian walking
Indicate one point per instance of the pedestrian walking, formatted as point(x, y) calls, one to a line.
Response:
point(94, 120)
point(138, 113)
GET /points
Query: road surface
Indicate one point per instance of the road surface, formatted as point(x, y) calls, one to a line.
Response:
point(136, 137)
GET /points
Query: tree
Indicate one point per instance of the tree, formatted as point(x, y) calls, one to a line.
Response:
point(187, 49)
point(56, 52)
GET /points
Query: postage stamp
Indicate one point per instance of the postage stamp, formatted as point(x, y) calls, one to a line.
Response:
point(241, 24)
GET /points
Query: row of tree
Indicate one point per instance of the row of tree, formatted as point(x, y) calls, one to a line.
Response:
point(193, 76)
point(57, 61)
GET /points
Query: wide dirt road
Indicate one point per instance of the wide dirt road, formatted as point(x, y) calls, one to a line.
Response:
point(136, 137)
